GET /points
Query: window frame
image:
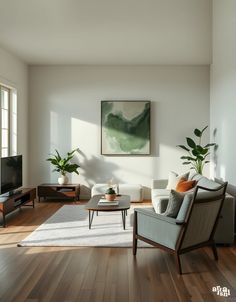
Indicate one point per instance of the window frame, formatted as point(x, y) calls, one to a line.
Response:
point(9, 147)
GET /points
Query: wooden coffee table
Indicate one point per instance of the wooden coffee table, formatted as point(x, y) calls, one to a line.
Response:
point(92, 206)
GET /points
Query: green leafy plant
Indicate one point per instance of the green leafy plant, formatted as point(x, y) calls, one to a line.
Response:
point(110, 191)
point(197, 154)
point(63, 165)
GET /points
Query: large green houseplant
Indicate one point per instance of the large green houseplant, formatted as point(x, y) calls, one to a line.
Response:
point(63, 165)
point(197, 153)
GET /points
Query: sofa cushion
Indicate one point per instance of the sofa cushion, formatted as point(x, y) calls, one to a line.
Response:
point(160, 192)
point(135, 191)
point(207, 183)
point(174, 178)
point(160, 198)
point(99, 189)
point(174, 204)
point(195, 176)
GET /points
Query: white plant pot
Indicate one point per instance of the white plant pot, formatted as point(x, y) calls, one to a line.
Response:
point(63, 179)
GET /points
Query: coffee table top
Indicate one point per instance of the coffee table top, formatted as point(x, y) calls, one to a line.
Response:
point(124, 204)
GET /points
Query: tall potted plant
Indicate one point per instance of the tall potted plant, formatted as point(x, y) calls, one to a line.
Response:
point(63, 165)
point(197, 153)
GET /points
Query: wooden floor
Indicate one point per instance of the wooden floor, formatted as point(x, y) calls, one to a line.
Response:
point(104, 274)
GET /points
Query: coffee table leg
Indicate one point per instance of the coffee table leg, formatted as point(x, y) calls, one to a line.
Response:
point(123, 218)
point(90, 218)
point(3, 220)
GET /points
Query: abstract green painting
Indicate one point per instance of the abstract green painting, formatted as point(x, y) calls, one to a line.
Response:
point(125, 127)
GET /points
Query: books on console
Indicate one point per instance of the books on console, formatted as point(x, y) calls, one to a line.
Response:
point(104, 202)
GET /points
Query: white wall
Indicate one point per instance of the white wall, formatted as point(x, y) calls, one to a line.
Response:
point(65, 114)
point(223, 89)
point(14, 72)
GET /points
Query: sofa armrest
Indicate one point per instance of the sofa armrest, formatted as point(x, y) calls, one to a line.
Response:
point(157, 228)
point(150, 212)
point(159, 183)
point(225, 229)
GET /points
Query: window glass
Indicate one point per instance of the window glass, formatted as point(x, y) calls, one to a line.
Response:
point(8, 123)
point(14, 144)
point(5, 97)
point(4, 138)
point(14, 102)
point(14, 124)
point(4, 152)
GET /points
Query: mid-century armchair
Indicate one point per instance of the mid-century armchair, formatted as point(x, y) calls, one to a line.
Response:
point(194, 227)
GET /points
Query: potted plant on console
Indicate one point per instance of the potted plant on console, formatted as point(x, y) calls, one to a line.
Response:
point(63, 166)
point(110, 194)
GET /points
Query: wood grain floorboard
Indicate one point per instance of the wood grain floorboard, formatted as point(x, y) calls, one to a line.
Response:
point(67, 274)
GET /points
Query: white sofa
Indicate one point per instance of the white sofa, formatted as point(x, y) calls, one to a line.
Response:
point(135, 191)
point(225, 229)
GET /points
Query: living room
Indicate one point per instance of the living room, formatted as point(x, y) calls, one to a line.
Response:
point(63, 59)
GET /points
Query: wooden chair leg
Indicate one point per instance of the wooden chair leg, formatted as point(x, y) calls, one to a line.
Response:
point(134, 234)
point(134, 246)
point(177, 258)
point(214, 250)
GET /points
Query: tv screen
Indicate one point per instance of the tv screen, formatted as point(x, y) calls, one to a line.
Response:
point(11, 173)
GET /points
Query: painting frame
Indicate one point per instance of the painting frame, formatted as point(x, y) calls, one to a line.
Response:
point(144, 116)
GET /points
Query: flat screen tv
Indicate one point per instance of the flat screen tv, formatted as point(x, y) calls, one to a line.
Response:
point(11, 174)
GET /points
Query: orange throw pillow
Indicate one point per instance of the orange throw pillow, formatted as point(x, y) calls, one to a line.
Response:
point(185, 185)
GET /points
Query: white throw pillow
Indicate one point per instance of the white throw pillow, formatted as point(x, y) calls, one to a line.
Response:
point(174, 178)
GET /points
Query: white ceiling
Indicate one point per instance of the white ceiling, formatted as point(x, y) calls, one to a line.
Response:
point(107, 31)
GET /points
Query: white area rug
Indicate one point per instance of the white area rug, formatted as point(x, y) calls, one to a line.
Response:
point(69, 227)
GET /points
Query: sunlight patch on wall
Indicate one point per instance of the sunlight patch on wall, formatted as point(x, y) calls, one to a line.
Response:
point(53, 131)
point(172, 163)
point(86, 137)
point(128, 167)
point(53, 141)
point(222, 172)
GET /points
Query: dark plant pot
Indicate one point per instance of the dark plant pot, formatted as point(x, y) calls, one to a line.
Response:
point(110, 197)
